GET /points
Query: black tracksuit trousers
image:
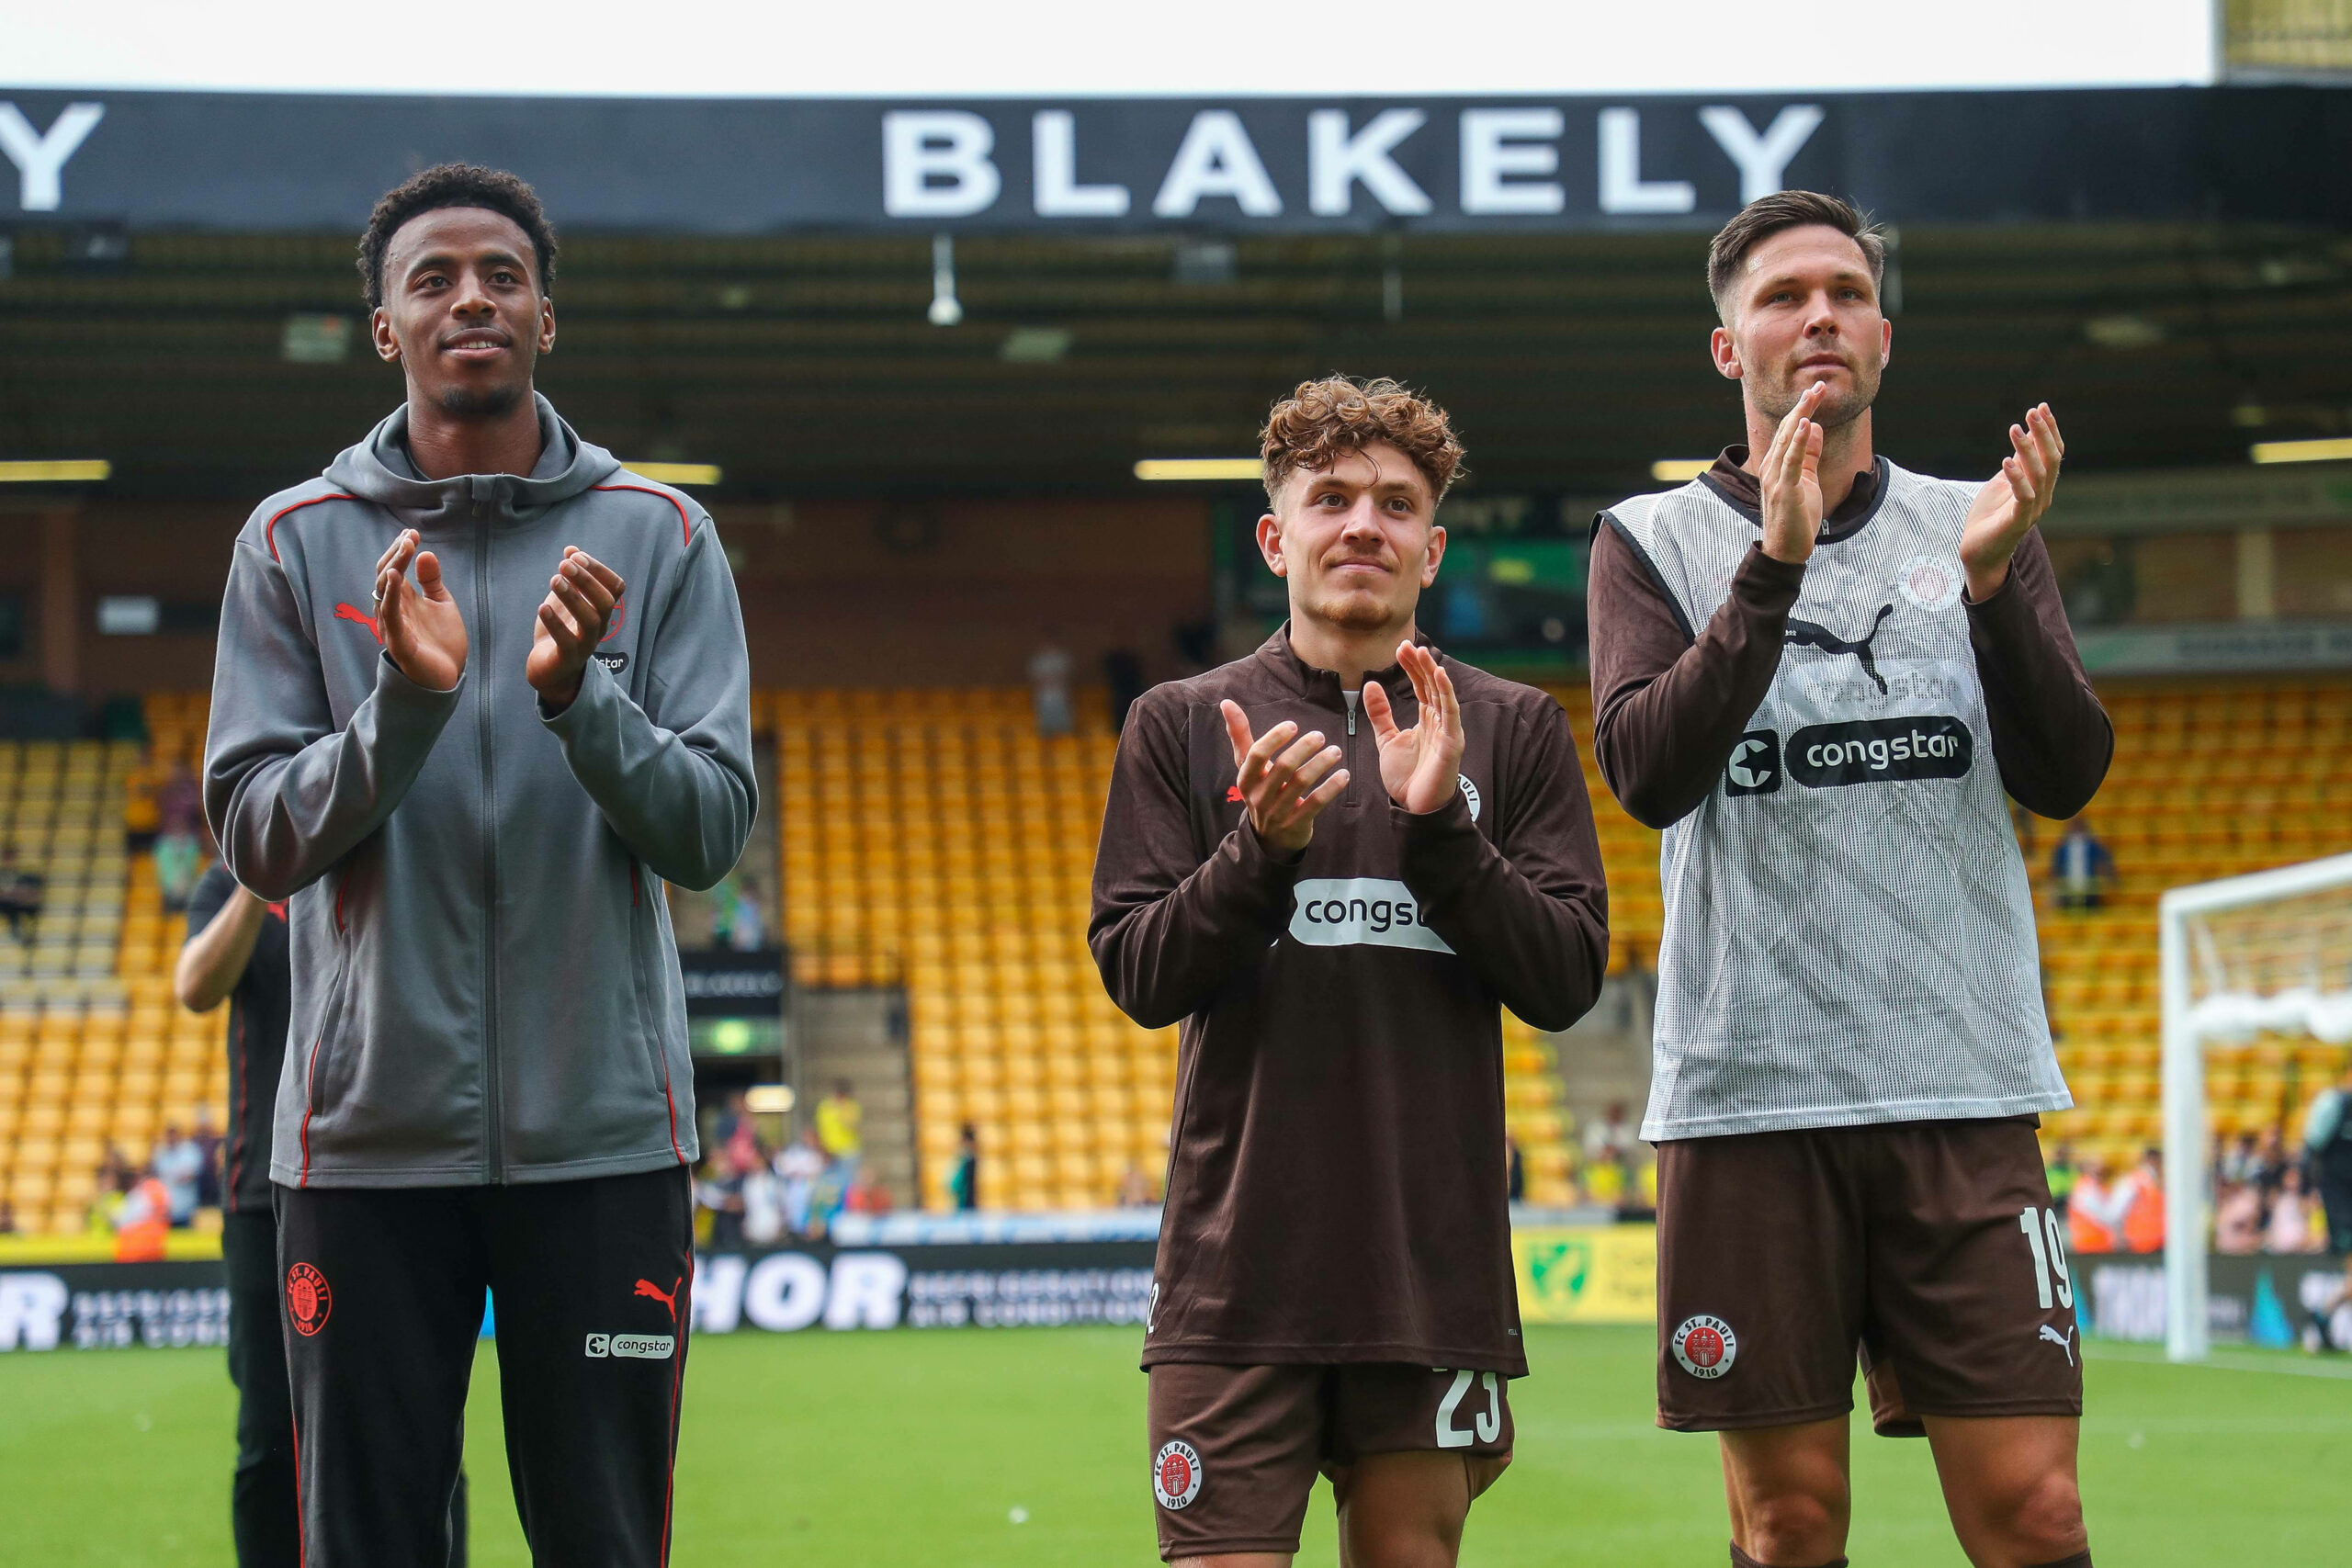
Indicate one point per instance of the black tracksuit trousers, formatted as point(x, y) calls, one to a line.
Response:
point(263, 1514)
point(382, 1293)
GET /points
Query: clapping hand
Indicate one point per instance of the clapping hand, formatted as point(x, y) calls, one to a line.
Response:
point(1285, 779)
point(1789, 478)
point(418, 622)
point(573, 619)
point(1422, 766)
point(2011, 503)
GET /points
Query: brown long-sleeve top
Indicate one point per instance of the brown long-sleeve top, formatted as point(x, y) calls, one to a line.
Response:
point(1336, 1168)
point(1670, 702)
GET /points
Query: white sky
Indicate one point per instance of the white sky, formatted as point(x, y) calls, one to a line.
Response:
point(1098, 48)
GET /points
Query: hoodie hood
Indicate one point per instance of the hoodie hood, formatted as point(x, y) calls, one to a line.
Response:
point(379, 468)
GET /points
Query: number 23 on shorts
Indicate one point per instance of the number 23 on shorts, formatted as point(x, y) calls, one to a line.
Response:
point(1486, 1425)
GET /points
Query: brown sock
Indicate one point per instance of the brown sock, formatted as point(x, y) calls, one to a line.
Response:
point(1741, 1559)
point(2080, 1559)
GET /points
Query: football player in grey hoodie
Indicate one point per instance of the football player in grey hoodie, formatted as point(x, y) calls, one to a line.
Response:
point(481, 691)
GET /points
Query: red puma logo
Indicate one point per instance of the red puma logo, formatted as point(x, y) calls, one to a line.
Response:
point(668, 1298)
point(1232, 793)
point(620, 619)
point(352, 613)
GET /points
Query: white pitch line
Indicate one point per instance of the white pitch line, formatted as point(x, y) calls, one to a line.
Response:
point(2222, 1362)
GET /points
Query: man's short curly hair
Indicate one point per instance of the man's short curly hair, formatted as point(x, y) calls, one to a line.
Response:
point(1320, 420)
point(454, 185)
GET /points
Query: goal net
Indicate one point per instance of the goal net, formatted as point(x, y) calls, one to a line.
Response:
point(2256, 980)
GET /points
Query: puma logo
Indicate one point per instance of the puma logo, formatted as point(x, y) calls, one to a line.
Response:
point(353, 613)
point(669, 1298)
point(1804, 634)
point(2063, 1341)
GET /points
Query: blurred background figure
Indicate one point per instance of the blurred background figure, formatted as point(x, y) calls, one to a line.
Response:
point(840, 1130)
point(1049, 670)
point(2081, 868)
point(20, 894)
point(963, 1179)
point(2327, 1146)
point(178, 1163)
point(798, 1168)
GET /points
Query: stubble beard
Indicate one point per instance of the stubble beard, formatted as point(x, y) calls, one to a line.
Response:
point(1836, 411)
point(1355, 610)
point(480, 402)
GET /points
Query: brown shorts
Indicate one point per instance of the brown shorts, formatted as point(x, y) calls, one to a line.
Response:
point(1236, 1449)
point(1931, 1248)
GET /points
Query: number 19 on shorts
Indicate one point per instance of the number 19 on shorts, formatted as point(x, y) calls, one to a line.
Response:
point(2047, 1236)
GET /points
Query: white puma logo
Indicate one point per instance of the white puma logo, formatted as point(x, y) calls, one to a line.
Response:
point(2063, 1341)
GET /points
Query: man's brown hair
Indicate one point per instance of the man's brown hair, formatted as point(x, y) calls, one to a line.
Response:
point(1768, 215)
point(1321, 421)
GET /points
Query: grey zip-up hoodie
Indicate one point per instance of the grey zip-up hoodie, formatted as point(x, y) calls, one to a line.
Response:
point(486, 987)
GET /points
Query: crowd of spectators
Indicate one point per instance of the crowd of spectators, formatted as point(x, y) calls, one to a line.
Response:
point(2266, 1194)
point(754, 1196)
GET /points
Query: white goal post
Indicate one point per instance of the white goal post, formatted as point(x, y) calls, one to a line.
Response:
point(2218, 986)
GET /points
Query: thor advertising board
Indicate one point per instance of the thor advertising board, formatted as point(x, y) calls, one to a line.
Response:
point(92, 1306)
point(317, 161)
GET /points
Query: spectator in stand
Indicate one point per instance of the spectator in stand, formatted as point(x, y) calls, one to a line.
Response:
point(1049, 689)
point(2270, 1158)
point(179, 803)
point(179, 845)
point(179, 861)
point(2093, 1212)
point(2296, 1225)
point(762, 1206)
point(2062, 1177)
point(2238, 1218)
point(142, 813)
point(1515, 1167)
point(798, 1168)
point(722, 911)
point(2141, 1206)
point(1134, 1188)
point(840, 1123)
point(1610, 1139)
point(207, 1146)
point(964, 1180)
point(7, 1218)
point(749, 932)
point(2327, 1149)
point(178, 1164)
point(2238, 1163)
point(738, 1131)
point(867, 1195)
point(2081, 871)
point(141, 1220)
point(720, 1192)
point(22, 891)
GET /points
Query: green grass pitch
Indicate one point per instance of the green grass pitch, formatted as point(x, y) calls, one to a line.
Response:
point(919, 1449)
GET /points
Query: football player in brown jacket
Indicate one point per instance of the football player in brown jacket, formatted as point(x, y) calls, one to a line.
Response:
point(1336, 861)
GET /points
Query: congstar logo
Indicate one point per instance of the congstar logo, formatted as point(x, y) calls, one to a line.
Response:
point(1932, 746)
point(1368, 911)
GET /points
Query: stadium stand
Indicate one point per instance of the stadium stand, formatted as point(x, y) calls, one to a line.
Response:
point(95, 1057)
point(931, 839)
point(2209, 780)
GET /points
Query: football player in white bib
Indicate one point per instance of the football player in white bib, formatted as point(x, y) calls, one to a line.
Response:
point(1823, 677)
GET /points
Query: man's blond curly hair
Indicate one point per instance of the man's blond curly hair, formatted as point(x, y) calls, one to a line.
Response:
point(1320, 421)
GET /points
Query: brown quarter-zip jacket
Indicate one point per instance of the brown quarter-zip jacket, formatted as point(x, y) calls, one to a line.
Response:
point(1337, 1170)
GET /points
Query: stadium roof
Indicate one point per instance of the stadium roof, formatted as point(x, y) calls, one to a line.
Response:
point(227, 365)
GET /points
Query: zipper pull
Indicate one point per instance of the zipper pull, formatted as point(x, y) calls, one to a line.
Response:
point(1352, 711)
